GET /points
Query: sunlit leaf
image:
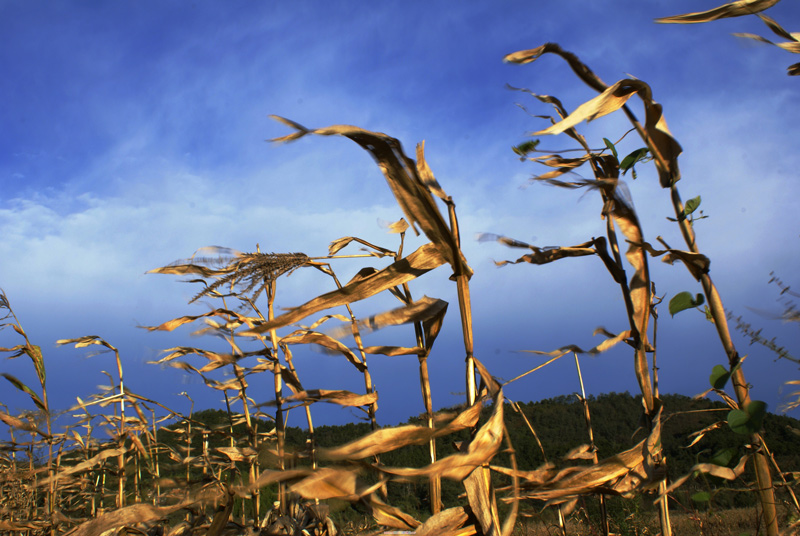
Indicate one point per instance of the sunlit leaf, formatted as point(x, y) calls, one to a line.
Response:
point(732, 9)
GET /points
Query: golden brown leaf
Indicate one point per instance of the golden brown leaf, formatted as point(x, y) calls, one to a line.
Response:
point(481, 498)
point(732, 9)
point(340, 397)
point(388, 439)
point(391, 516)
point(326, 341)
point(424, 259)
point(328, 483)
point(129, 515)
point(401, 173)
point(446, 523)
point(480, 450)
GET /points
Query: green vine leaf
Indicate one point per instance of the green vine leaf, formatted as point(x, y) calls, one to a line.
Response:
point(611, 147)
point(749, 420)
point(691, 205)
point(629, 161)
point(684, 300)
point(719, 377)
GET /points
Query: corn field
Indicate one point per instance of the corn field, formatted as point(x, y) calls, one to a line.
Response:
point(112, 472)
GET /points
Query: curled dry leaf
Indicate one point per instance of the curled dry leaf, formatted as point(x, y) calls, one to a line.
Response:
point(237, 454)
point(388, 439)
point(697, 263)
point(446, 523)
point(701, 433)
point(340, 243)
point(328, 483)
point(326, 341)
point(399, 226)
point(732, 9)
point(129, 515)
point(340, 397)
point(664, 148)
point(422, 310)
point(712, 469)
point(410, 190)
point(480, 450)
point(390, 516)
point(482, 500)
point(620, 474)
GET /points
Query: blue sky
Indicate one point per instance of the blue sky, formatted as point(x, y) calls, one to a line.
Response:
point(135, 133)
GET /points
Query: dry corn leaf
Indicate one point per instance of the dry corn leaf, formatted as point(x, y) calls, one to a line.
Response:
point(733, 9)
point(610, 342)
point(340, 397)
point(538, 476)
point(664, 148)
point(446, 523)
point(701, 433)
point(328, 483)
point(419, 311)
point(180, 321)
point(129, 515)
point(341, 243)
point(401, 173)
point(388, 439)
point(326, 341)
point(540, 255)
point(427, 177)
point(17, 423)
point(395, 350)
point(610, 100)
point(697, 263)
point(481, 498)
point(458, 466)
point(619, 474)
point(712, 469)
point(399, 226)
point(84, 465)
point(583, 72)
point(238, 454)
point(390, 516)
point(424, 259)
point(422, 310)
point(22, 525)
point(793, 46)
point(582, 452)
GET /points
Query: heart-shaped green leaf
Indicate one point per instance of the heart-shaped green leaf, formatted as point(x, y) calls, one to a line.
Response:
point(757, 410)
point(739, 421)
point(719, 377)
point(749, 420)
point(684, 300)
point(691, 205)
